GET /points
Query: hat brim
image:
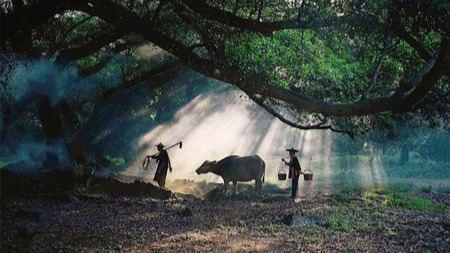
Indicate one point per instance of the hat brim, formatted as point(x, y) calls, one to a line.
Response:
point(292, 150)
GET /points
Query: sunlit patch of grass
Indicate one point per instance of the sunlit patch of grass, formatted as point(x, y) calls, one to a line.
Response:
point(405, 201)
point(370, 196)
point(338, 222)
point(399, 198)
point(361, 209)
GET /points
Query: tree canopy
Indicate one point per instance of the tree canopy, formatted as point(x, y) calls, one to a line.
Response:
point(317, 64)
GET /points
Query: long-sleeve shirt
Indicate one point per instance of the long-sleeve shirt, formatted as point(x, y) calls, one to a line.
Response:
point(293, 163)
point(163, 158)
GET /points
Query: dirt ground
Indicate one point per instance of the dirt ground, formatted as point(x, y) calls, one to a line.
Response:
point(370, 221)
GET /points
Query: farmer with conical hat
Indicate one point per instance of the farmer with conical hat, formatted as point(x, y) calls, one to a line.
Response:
point(294, 170)
point(163, 163)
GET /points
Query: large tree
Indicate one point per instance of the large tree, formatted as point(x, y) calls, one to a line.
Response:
point(315, 64)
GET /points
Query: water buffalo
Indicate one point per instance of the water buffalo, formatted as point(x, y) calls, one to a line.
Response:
point(236, 168)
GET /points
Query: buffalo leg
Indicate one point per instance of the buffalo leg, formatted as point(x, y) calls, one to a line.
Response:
point(235, 190)
point(258, 185)
point(225, 188)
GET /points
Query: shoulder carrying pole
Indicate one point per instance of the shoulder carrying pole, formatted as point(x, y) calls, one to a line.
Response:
point(146, 161)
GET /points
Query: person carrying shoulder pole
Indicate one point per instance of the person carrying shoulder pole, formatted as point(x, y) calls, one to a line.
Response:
point(163, 163)
point(294, 170)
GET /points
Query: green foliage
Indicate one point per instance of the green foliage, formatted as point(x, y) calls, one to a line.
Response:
point(100, 136)
point(395, 197)
point(338, 222)
point(300, 58)
point(402, 200)
point(5, 162)
point(117, 161)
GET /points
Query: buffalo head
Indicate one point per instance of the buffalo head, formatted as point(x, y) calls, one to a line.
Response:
point(206, 167)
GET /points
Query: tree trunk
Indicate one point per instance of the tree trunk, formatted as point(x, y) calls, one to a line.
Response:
point(404, 154)
point(4, 121)
point(49, 117)
point(68, 117)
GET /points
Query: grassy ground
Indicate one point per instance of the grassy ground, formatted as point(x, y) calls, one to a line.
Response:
point(383, 219)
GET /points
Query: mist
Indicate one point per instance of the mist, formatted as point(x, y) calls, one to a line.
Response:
point(44, 77)
point(215, 120)
point(28, 154)
point(219, 121)
point(24, 148)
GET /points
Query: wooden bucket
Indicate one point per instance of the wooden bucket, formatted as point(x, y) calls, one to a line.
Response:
point(308, 175)
point(282, 176)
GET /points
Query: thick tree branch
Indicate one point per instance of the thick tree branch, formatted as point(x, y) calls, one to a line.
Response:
point(75, 26)
point(320, 126)
point(266, 28)
point(125, 20)
point(130, 22)
point(401, 32)
point(397, 102)
point(89, 47)
point(153, 78)
point(106, 58)
point(376, 69)
point(208, 40)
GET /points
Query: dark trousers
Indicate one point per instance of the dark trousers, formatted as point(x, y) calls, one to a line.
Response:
point(160, 175)
point(294, 185)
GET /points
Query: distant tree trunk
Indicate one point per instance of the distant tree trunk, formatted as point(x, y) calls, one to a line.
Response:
point(49, 117)
point(52, 127)
point(404, 154)
point(4, 121)
point(68, 117)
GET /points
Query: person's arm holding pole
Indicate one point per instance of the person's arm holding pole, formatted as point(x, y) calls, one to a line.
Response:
point(170, 165)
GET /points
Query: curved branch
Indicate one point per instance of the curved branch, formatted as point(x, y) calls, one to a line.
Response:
point(107, 57)
point(397, 102)
point(89, 47)
point(266, 28)
point(283, 119)
point(401, 32)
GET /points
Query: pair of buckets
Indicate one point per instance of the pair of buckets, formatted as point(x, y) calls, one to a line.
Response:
point(307, 175)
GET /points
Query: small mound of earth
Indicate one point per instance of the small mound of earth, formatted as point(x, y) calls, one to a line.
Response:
point(115, 188)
